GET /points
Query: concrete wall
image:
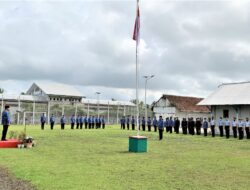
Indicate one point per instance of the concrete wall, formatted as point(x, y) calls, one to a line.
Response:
point(243, 111)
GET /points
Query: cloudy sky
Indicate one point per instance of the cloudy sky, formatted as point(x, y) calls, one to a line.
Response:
point(190, 46)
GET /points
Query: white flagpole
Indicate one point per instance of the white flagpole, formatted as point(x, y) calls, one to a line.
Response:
point(137, 80)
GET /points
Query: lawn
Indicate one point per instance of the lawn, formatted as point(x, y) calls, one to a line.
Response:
point(99, 159)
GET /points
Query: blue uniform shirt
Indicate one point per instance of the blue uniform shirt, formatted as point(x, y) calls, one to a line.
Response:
point(89, 120)
point(155, 122)
point(128, 120)
point(161, 124)
point(63, 120)
point(5, 118)
point(205, 125)
point(72, 119)
point(52, 119)
point(143, 121)
point(149, 121)
point(43, 119)
point(103, 120)
point(133, 121)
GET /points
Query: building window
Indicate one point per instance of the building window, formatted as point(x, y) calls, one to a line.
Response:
point(225, 113)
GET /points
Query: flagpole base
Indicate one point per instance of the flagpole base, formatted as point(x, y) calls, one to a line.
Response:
point(138, 144)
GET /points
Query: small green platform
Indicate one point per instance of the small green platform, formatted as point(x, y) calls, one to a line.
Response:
point(138, 144)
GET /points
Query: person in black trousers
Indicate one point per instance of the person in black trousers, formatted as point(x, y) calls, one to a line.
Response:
point(184, 126)
point(133, 123)
point(247, 128)
point(227, 128)
point(212, 124)
point(149, 124)
point(155, 124)
point(192, 126)
point(198, 126)
point(63, 121)
point(43, 120)
point(177, 125)
point(5, 121)
point(221, 124)
point(234, 126)
point(205, 126)
point(128, 122)
point(143, 123)
point(240, 129)
point(160, 127)
point(52, 121)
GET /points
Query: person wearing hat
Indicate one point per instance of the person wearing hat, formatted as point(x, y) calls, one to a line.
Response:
point(241, 129)
point(247, 128)
point(234, 126)
point(160, 127)
point(43, 120)
point(5, 122)
point(52, 121)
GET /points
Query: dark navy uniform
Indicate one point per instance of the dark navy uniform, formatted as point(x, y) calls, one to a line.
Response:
point(184, 126)
point(86, 122)
point(198, 126)
point(247, 128)
point(63, 121)
point(177, 125)
point(52, 121)
point(205, 126)
point(155, 124)
point(149, 124)
point(160, 127)
point(43, 120)
point(133, 123)
point(5, 122)
point(103, 122)
point(143, 123)
point(127, 121)
point(72, 121)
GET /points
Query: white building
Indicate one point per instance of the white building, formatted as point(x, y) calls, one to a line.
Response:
point(230, 100)
point(51, 94)
point(180, 106)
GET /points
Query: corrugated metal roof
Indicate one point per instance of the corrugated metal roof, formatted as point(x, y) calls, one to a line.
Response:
point(10, 97)
point(229, 94)
point(58, 89)
point(106, 102)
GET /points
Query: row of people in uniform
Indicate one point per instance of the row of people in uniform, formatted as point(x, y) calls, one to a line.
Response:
point(79, 121)
point(192, 126)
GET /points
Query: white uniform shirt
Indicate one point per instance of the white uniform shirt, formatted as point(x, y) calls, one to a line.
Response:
point(247, 124)
point(220, 122)
point(241, 124)
point(227, 123)
point(234, 124)
point(212, 122)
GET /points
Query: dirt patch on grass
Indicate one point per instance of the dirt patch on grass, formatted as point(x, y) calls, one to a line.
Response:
point(9, 182)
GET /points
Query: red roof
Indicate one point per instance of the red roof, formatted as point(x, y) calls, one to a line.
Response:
point(187, 104)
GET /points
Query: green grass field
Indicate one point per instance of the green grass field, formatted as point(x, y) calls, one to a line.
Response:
point(99, 159)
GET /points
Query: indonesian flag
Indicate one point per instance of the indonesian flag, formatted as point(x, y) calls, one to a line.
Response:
point(136, 34)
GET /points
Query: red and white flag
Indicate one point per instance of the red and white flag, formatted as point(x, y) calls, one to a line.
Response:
point(136, 35)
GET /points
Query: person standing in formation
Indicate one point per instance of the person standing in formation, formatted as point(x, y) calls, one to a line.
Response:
point(198, 126)
point(89, 122)
point(123, 121)
point(212, 124)
point(52, 121)
point(5, 122)
point(86, 121)
point(227, 128)
point(93, 122)
point(133, 123)
point(149, 124)
point(221, 124)
point(234, 126)
point(184, 126)
point(81, 121)
point(103, 122)
point(43, 121)
point(128, 121)
point(205, 126)
point(177, 125)
point(241, 129)
point(77, 122)
point(72, 121)
point(143, 123)
point(155, 124)
point(63, 121)
point(171, 124)
point(247, 128)
point(160, 127)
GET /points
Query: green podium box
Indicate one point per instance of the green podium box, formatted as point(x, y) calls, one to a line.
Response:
point(138, 144)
